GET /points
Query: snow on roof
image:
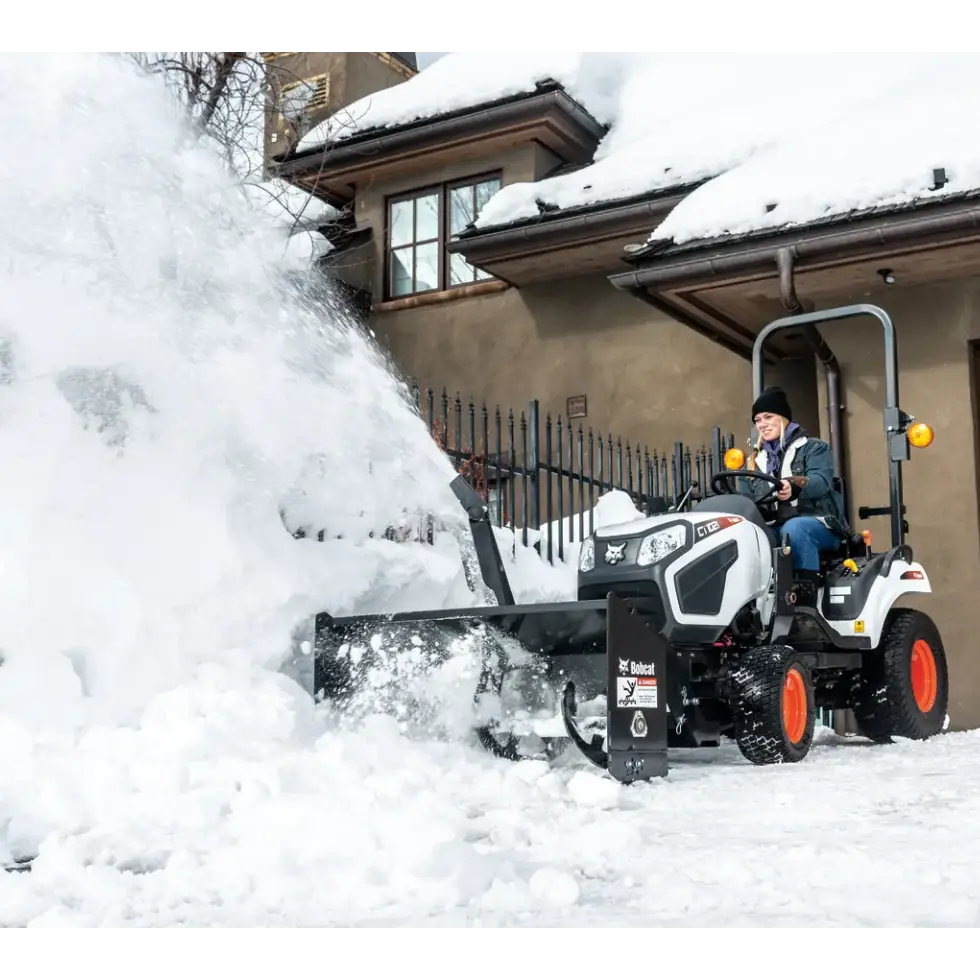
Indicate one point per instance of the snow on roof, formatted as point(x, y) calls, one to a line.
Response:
point(674, 120)
point(465, 80)
point(775, 140)
point(904, 118)
point(814, 135)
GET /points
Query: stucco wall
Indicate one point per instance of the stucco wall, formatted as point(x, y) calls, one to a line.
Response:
point(646, 377)
point(934, 325)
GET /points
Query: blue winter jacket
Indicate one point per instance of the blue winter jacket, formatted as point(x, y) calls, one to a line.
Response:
point(812, 459)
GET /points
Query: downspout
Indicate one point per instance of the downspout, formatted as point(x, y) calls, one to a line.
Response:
point(820, 347)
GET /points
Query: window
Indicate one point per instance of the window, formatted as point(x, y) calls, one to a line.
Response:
point(421, 224)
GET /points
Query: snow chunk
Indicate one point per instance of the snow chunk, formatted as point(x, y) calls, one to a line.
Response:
point(591, 789)
point(554, 888)
point(465, 79)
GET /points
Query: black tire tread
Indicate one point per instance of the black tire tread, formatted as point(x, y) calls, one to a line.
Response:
point(885, 704)
point(757, 692)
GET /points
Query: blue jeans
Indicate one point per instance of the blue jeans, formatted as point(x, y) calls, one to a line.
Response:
point(808, 537)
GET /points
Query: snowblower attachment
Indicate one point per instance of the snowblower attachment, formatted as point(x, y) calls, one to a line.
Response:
point(573, 653)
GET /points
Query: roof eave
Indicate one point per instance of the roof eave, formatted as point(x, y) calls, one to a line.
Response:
point(434, 130)
point(557, 225)
point(743, 258)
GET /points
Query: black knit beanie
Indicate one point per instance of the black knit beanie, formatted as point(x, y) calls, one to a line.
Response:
point(774, 401)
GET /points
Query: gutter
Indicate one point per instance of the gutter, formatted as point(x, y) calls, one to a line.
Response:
point(559, 225)
point(741, 258)
point(525, 109)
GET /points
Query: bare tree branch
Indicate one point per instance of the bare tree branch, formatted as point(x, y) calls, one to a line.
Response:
point(226, 98)
point(226, 65)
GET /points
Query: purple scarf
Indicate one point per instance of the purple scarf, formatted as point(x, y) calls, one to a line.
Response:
point(774, 451)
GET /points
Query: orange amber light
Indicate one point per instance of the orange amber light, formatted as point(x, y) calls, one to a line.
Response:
point(920, 435)
point(734, 459)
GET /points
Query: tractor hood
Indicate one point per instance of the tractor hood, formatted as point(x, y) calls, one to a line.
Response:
point(642, 524)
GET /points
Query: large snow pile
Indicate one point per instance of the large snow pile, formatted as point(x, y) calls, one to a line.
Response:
point(787, 138)
point(164, 397)
point(459, 81)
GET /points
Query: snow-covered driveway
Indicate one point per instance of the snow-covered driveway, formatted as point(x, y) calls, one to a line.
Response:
point(386, 831)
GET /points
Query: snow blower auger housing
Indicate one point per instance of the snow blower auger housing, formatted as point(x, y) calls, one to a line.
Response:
point(689, 626)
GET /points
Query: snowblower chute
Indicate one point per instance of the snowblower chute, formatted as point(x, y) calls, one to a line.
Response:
point(691, 626)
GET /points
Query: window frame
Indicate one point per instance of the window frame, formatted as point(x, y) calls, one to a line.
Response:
point(444, 191)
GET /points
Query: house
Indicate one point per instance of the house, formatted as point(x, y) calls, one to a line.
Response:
point(556, 225)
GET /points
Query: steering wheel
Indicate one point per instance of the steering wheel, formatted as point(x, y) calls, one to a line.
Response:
point(722, 483)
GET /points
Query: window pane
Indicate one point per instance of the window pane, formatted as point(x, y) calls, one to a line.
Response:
point(460, 270)
point(427, 267)
point(460, 209)
point(481, 274)
point(484, 191)
point(401, 271)
point(401, 223)
point(426, 217)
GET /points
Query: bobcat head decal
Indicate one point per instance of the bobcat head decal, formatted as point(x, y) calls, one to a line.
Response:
point(615, 553)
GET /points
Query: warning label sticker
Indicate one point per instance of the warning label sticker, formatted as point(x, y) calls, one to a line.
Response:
point(636, 692)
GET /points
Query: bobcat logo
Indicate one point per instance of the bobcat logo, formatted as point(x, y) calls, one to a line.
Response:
point(615, 553)
point(624, 666)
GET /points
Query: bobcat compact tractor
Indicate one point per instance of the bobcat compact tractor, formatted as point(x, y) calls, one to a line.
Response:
point(687, 626)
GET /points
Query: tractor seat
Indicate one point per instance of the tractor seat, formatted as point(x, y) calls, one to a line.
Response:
point(854, 546)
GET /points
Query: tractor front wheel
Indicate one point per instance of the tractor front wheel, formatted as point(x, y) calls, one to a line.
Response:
point(903, 688)
point(772, 705)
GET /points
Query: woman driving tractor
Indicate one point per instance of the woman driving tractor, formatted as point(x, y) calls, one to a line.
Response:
point(808, 510)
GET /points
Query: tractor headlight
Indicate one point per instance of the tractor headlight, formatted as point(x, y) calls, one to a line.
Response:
point(661, 543)
point(586, 558)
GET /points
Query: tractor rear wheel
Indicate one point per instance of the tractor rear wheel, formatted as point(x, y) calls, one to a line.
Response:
point(772, 705)
point(903, 688)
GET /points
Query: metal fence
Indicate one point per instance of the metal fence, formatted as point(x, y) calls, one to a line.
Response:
point(535, 471)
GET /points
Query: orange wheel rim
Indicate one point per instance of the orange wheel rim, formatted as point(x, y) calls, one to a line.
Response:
point(925, 680)
point(794, 705)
